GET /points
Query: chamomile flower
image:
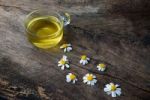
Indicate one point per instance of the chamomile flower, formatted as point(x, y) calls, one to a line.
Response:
point(90, 79)
point(101, 67)
point(66, 47)
point(112, 89)
point(71, 78)
point(63, 63)
point(84, 60)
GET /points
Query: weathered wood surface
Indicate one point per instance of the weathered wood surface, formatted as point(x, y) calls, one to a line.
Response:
point(116, 32)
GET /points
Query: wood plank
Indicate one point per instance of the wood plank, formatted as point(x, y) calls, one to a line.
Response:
point(111, 31)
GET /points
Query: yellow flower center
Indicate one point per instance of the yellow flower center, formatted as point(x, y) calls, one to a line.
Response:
point(102, 65)
point(90, 77)
point(64, 45)
point(113, 87)
point(83, 57)
point(62, 61)
point(72, 76)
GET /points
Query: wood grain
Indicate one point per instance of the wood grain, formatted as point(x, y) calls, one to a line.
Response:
point(115, 32)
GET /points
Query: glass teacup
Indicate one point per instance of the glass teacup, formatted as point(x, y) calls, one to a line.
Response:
point(45, 28)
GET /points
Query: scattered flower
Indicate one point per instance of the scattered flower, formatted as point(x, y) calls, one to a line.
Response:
point(90, 79)
point(71, 78)
point(84, 60)
point(63, 63)
point(66, 47)
point(101, 67)
point(112, 89)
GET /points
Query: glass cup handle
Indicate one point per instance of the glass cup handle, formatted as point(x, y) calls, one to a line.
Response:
point(66, 18)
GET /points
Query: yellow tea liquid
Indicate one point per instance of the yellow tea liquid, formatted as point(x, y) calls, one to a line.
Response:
point(45, 32)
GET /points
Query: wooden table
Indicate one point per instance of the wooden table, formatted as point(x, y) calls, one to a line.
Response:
point(116, 32)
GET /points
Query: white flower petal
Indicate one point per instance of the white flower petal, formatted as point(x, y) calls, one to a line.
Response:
point(94, 76)
point(69, 44)
point(88, 82)
point(88, 58)
point(98, 67)
point(108, 86)
point(111, 84)
point(84, 81)
point(65, 49)
point(59, 64)
point(85, 61)
point(74, 81)
point(106, 89)
point(69, 49)
point(117, 85)
point(113, 94)
point(84, 78)
point(67, 66)
point(92, 82)
point(81, 61)
point(102, 69)
point(87, 75)
point(62, 67)
point(61, 47)
point(119, 89)
point(65, 57)
point(68, 80)
point(118, 92)
point(67, 76)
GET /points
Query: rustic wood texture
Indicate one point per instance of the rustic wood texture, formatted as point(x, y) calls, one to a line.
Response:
point(116, 32)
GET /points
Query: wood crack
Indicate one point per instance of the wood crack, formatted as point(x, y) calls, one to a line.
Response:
point(108, 75)
point(105, 74)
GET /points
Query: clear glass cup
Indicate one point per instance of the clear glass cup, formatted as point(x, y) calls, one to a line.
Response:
point(45, 28)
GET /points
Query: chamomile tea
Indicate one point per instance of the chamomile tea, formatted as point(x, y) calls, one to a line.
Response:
point(44, 31)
